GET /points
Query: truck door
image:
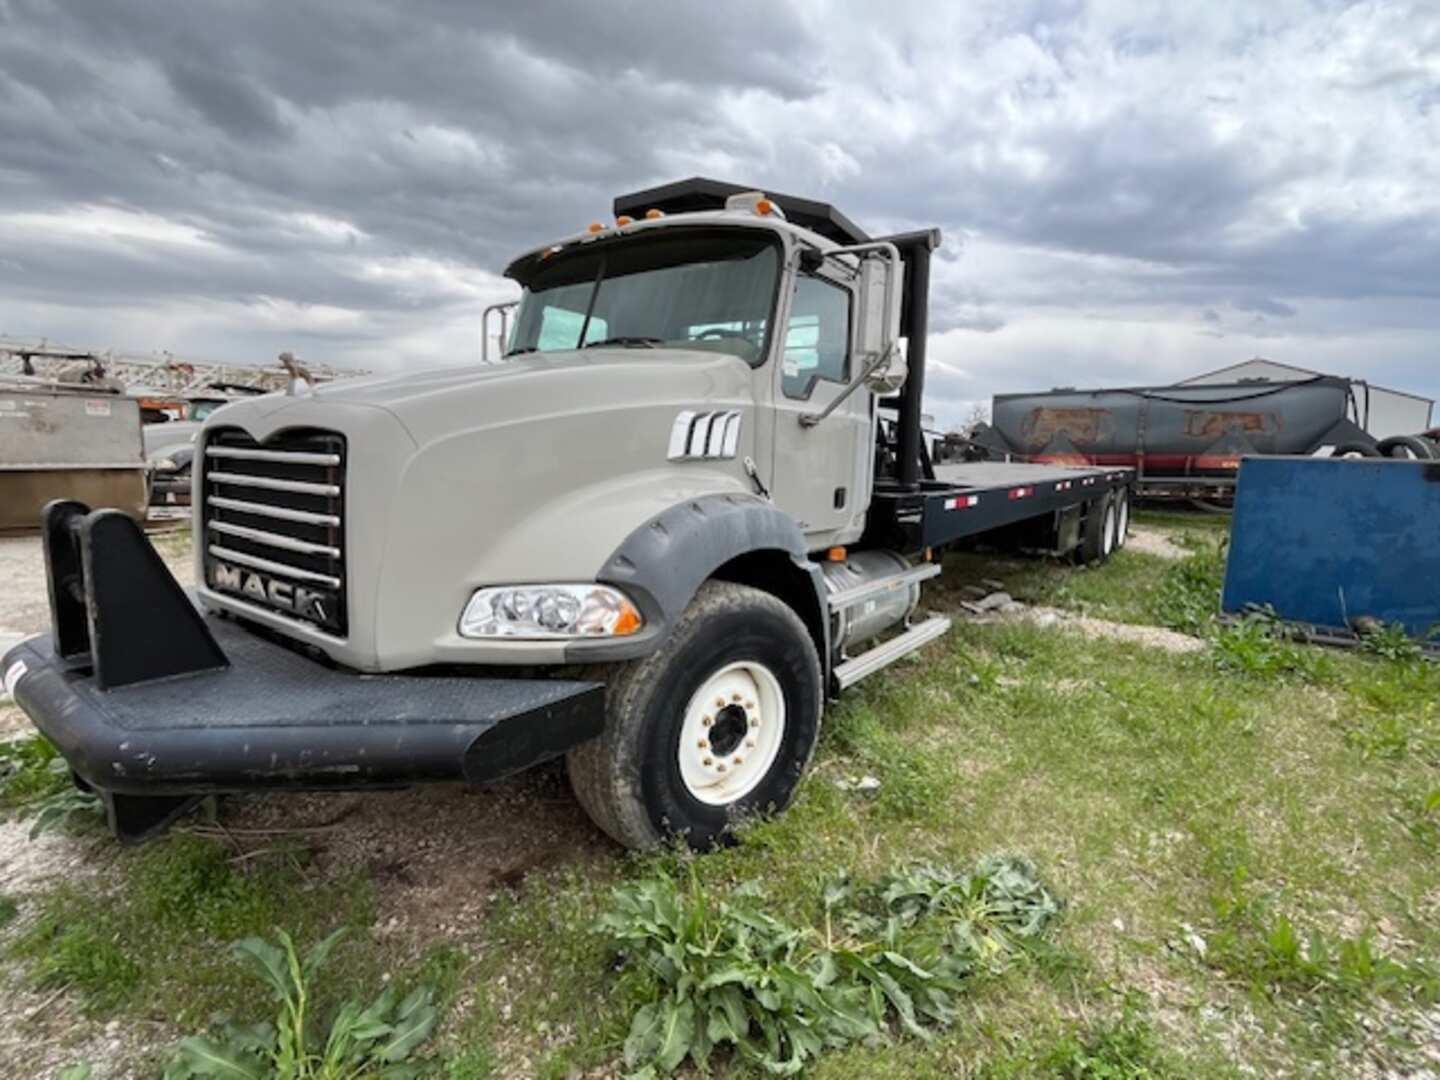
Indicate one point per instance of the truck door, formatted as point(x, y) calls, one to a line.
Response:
point(821, 474)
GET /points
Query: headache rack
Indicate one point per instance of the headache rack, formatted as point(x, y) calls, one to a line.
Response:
point(272, 519)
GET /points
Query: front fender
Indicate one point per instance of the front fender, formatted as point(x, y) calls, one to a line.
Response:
point(663, 563)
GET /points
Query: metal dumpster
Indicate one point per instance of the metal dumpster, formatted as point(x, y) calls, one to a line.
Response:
point(1335, 543)
point(68, 444)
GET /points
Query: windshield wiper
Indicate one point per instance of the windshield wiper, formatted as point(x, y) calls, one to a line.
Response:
point(522, 352)
point(647, 342)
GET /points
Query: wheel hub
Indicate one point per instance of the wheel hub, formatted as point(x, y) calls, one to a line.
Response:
point(731, 733)
point(731, 724)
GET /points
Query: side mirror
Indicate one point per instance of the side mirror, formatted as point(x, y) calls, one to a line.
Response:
point(889, 372)
point(879, 345)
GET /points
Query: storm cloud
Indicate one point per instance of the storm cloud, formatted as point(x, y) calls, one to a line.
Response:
point(1128, 194)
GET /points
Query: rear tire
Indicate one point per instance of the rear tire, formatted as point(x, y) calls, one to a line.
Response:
point(1099, 539)
point(717, 725)
point(1122, 517)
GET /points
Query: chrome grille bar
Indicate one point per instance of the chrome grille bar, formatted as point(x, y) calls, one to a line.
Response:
point(257, 563)
point(284, 513)
point(291, 457)
point(303, 487)
point(276, 540)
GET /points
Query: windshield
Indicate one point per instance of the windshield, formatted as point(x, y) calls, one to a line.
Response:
point(712, 291)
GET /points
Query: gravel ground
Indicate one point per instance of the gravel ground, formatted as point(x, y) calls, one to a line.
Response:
point(1154, 542)
point(25, 604)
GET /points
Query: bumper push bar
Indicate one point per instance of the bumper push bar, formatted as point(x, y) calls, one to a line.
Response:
point(155, 705)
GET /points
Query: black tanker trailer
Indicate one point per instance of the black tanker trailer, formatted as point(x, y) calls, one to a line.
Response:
point(1185, 441)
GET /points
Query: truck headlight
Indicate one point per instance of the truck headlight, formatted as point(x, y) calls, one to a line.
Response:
point(548, 612)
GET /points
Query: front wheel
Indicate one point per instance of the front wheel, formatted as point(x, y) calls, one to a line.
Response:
point(718, 724)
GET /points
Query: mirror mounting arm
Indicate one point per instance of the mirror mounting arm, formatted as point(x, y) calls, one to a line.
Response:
point(809, 420)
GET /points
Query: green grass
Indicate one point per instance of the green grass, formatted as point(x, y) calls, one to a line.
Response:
point(156, 942)
point(28, 772)
point(1246, 838)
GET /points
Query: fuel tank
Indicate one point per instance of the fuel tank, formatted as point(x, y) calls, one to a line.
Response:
point(878, 614)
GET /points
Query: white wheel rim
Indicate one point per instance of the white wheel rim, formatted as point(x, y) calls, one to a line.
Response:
point(1122, 528)
point(1107, 538)
point(739, 710)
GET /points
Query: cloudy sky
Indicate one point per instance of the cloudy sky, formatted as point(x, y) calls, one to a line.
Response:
point(1128, 194)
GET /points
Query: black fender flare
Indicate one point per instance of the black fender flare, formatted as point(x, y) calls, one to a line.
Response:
point(663, 563)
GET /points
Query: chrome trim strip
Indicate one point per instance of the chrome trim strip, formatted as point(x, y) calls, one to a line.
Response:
point(732, 434)
point(700, 436)
point(680, 435)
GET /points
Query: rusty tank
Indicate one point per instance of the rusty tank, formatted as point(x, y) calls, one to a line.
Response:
point(1181, 439)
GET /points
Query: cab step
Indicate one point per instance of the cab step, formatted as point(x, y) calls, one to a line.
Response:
point(851, 671)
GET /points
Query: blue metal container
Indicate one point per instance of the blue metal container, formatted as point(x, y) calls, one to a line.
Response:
point(1327, 541)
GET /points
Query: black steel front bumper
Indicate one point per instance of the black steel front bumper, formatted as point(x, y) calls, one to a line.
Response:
point(155, 705)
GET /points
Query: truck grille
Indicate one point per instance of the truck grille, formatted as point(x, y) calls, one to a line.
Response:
point(273, 522)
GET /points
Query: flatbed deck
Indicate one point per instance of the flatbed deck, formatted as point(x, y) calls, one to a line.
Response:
point(999, 474)
point(970, 498)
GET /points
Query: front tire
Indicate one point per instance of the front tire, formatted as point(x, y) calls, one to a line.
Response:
point(717, 725)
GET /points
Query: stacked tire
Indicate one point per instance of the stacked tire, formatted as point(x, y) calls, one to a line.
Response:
point(1414, 447)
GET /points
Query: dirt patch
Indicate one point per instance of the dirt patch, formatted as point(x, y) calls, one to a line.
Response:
point(1153, 637)
point(436, 854)
point(29, 865)
point(1154, 542)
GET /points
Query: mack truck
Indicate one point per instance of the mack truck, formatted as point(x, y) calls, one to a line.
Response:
point(687, 507)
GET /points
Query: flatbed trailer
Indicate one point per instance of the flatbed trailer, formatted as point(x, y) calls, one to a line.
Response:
point(658, 539)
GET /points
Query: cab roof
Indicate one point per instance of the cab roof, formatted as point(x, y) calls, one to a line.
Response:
point(700, 193)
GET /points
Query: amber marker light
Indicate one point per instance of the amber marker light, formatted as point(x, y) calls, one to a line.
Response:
point(764, 206)
point(627, 622)
point(652, 214)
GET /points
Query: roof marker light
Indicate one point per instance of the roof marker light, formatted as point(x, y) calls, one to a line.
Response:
point(652, 214)
point(594, 227)
point(623, 220)
point(764, 206)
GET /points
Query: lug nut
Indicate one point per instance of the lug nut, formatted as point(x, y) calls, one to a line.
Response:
point(704, 744)
point(709, 761)
point(739, 761)
point(735, 697)
point(750, 743)
point(721, 767)
point(749, 705)
point(754, 721)
point(707, 720)
point(719, 703)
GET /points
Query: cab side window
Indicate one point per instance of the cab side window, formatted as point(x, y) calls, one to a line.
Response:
point(817, 337)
